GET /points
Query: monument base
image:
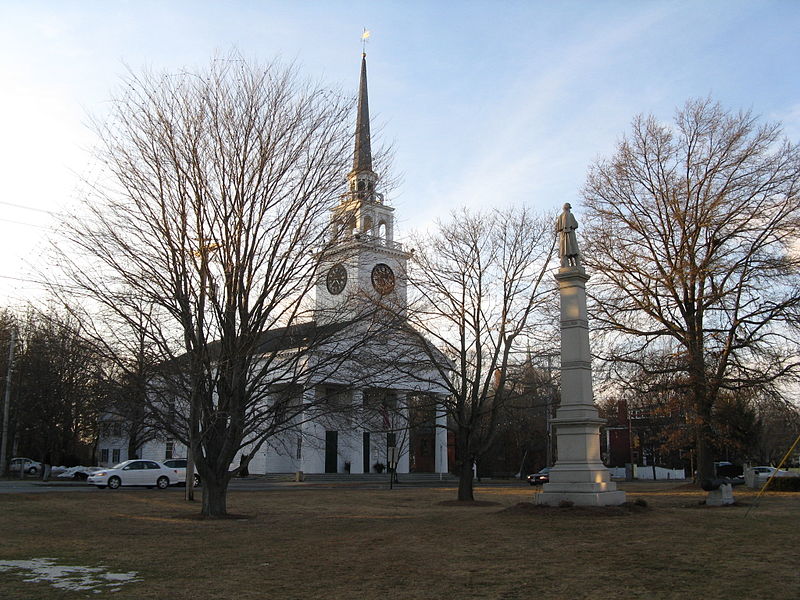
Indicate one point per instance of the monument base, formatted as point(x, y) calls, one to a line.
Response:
point(578, 498)
point(583, 484)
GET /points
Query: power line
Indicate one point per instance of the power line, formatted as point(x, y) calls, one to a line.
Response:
point(44, 284)
point(42, 210)
point(27, 224)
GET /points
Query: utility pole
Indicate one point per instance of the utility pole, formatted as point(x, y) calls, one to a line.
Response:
point(7, 403)
point(551, 392)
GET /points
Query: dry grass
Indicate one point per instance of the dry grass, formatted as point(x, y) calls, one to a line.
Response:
point(346, 543)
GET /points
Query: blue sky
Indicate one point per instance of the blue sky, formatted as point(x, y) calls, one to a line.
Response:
point(486, 103)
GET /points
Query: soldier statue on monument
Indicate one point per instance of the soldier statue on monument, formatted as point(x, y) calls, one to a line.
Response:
point(568, 246)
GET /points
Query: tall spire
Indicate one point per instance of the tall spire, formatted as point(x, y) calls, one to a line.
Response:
point(362, 157)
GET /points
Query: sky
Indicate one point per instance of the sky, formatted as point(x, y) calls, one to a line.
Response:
point(487, 103)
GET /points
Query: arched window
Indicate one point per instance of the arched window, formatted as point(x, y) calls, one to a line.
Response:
point(367, 225)
point(382, 230)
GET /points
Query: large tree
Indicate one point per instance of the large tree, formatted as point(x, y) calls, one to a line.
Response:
point(480, 289)
point(691, 231)
point(203, 235)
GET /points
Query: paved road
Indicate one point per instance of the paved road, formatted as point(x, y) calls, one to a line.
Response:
point(34, 486)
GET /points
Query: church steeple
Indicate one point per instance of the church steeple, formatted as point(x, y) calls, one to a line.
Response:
point(362, 213)
point(362, 179)
point(362, 158)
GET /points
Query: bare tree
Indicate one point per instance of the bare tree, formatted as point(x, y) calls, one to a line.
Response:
point(691, 231)
point(204, 235)
point(480, 285)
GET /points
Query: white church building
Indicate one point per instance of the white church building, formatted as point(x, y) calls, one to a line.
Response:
point(387, 393)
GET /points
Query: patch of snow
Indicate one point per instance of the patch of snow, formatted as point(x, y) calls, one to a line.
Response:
point(69, 472)
point(69, 577)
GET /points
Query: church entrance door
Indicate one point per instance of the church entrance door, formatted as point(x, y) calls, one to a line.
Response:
point(331, 451)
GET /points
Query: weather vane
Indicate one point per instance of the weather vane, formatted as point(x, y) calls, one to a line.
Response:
point(364, 39)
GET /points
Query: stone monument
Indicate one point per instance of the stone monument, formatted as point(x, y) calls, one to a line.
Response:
point(579, 475)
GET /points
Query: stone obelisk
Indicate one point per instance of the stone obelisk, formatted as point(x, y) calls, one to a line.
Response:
point(579, 475)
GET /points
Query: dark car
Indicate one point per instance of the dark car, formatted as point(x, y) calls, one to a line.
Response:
point(541, 477)
point(730, 470)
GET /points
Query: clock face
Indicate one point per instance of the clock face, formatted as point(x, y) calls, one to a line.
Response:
point(337, 279)
point(382, 279)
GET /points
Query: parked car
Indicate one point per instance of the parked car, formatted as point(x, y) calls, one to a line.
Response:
point(26, 465)
point(541, 477)
point(135, 472)
point(766, 472)
point(179, 464)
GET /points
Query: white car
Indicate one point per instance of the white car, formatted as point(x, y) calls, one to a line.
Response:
point(27, 465)
point(135, 472)
point(179, 464)
point(766, 472)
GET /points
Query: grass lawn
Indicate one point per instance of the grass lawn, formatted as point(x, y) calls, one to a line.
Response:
point(348, 543)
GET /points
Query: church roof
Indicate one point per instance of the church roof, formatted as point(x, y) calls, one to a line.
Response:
point(296, 336)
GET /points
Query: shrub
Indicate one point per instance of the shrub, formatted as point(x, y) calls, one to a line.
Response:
point(785, 484)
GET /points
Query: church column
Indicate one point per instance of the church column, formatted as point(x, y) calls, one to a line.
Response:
point(442, 465)
point(404, 435)
point(357, 433)
point(312, 443)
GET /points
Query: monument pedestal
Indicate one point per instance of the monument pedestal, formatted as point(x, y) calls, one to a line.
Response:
point(579, 475)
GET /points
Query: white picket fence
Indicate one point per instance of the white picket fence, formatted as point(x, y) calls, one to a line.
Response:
point(647, 473)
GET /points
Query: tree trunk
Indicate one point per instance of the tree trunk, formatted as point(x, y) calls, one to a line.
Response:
point(215, 498)
point(133, 445)
point(465, 482)
point(705, 458)
point(244, 465)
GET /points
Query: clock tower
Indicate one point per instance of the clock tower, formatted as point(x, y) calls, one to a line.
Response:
point(364, 268)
